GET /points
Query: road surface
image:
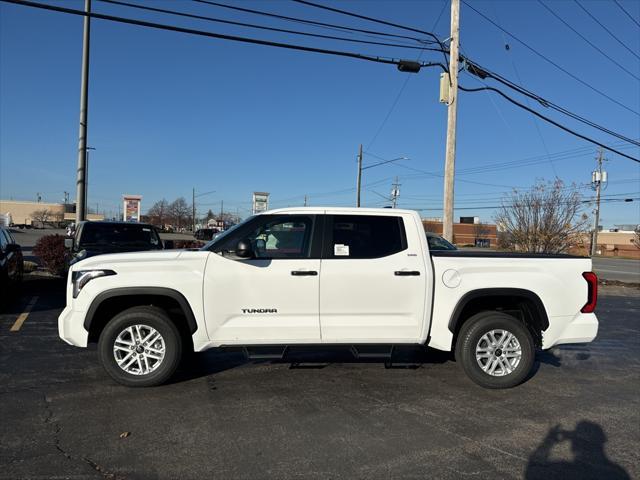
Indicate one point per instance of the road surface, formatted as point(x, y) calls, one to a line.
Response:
point(620, 269)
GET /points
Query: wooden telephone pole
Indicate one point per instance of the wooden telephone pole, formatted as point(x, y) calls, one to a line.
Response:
point(359, 180)
point(452, 114)
point(597, 179)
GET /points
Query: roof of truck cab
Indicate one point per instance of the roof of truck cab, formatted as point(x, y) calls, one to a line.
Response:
point(352, 210)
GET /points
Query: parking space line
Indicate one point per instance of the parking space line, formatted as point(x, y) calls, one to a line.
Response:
point(23, 316)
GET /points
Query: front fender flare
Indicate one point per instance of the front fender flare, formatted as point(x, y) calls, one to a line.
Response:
point(134, 291)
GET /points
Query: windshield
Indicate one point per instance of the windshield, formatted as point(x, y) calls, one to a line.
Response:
point(439, 243)
point(220, 237)
point(118, 235)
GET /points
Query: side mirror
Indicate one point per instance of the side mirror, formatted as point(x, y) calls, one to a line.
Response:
point(169, 245)
point(12, 247)
point(243, 249)
point(68, 243)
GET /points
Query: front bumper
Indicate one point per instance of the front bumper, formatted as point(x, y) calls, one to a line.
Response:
point(582, 328)
point(71, 327)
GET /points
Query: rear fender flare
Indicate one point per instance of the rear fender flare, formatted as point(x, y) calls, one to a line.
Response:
point(468, 297)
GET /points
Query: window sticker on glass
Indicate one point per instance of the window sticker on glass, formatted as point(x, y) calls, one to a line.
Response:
point(340, 250)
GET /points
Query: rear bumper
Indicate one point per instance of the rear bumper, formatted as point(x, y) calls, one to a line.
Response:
point(581, 328)
point(71, 328)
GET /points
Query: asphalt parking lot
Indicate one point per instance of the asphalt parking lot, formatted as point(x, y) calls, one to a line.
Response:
point(317, 417)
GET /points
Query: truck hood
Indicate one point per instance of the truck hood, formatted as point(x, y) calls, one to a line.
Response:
point(128, 258)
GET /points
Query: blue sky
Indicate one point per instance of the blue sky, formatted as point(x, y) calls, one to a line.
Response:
point(170, 112)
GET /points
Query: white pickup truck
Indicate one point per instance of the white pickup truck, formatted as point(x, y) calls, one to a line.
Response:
point(328, 276)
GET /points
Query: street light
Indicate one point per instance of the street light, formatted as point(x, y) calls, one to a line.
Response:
point(361, 168)
point(193, 206)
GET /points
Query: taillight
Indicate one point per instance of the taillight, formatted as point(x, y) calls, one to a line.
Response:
point(592, 297)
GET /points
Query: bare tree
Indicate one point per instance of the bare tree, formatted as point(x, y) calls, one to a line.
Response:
point(158, 212)
point(480, 231)
point(41, 216)
point(228, 219)
point(180, 212)
point(544, 219)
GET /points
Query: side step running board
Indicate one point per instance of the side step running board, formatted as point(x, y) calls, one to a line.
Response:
point(366, 351)
point(265, 353)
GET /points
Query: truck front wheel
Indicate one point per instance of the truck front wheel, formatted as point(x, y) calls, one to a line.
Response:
point(495, 350)
point(140, 347)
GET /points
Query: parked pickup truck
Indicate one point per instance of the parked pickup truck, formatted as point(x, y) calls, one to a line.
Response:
point(327, 276)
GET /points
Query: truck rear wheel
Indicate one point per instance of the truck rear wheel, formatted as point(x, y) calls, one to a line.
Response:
point(140, 347)
point(495, 350)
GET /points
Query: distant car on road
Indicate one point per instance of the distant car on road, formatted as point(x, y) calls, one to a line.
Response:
point(206, 234)
point(98, 238)
point(11, 264)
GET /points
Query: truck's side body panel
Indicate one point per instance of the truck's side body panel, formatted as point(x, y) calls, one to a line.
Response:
point(261, 302)
point(376, 300)
point(558, 282)
point(178, 270)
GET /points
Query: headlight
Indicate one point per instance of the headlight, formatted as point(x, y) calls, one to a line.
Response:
point(82, 277)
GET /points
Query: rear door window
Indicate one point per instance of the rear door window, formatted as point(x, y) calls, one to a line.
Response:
point(363, 236)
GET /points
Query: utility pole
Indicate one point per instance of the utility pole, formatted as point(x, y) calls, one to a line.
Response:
point(86, 177)
point(395, 193)
point(305, 200)
point(452, 114)
point(597, 178)
point(81, 179)
point(193, 209)
point(222, 213)
point(359, 181)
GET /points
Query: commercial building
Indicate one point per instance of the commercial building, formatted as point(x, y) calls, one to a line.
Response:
point(26, 213)
point(614, 243)
point(468, 232)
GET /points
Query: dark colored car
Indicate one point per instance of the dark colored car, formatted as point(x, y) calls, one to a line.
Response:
point(436, 242)
point(206, 234)
point(11, 264)
point(97, 238)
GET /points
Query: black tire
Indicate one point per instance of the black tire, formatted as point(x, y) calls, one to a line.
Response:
point(155, 318)
point(469, 337)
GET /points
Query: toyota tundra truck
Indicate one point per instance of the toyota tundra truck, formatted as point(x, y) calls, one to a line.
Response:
point(323, 277)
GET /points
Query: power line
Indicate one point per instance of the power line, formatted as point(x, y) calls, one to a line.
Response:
point(404, 85)
point(375, 20)
point(548, 60)
point(370, 19)
point(371, 58)
point(584, 9)
point(627, 13)
point(329, 26)
point(262, 27)
point(495, 207)
point(550, 10)
point(482, 72)
point(547, 119)
point(234, 38)
point(496, 76)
